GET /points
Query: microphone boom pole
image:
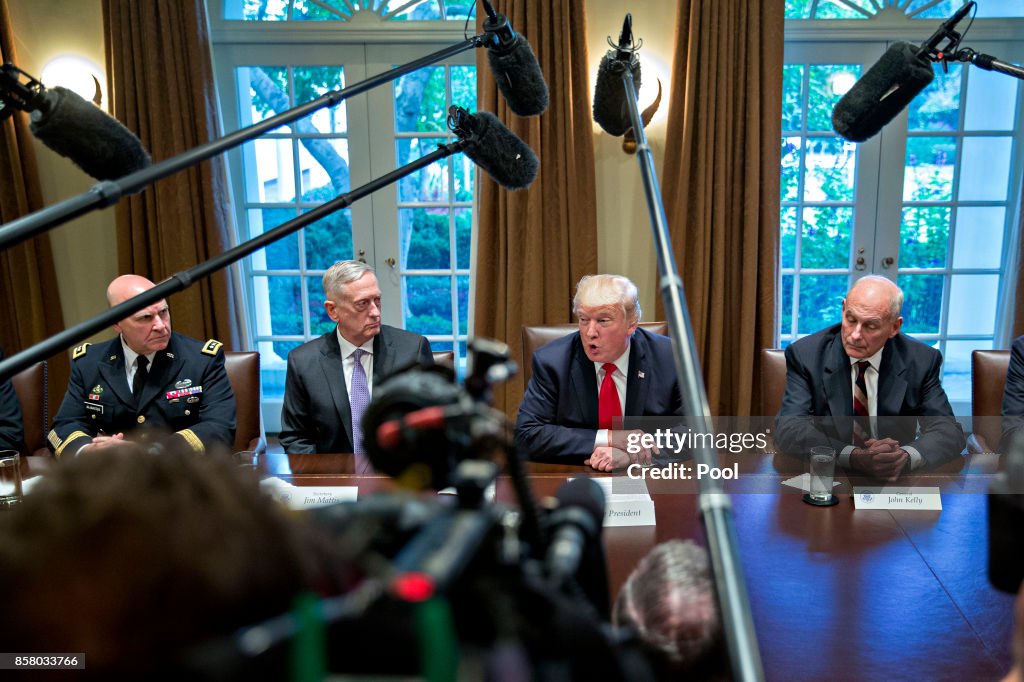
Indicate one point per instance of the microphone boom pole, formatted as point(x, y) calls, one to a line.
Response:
point(715, 506)
point(182, 280)
point(109, 192)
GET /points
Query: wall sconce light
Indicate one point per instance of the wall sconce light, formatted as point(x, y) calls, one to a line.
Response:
point(77, 74)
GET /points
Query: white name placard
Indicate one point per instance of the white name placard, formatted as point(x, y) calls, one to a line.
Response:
point(627, 502)
point(307, 497)
point(896, 497)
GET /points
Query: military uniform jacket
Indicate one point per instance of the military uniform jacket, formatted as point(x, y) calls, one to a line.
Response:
point(187, 391)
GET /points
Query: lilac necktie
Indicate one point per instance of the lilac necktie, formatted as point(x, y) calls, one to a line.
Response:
point(358, 398)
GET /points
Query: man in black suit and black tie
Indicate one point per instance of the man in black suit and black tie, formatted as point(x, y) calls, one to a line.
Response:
point(330, 379)
point(609, 368)
point(870, 392)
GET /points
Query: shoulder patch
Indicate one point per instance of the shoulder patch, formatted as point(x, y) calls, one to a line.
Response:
point(212, 347)
point(79, 351)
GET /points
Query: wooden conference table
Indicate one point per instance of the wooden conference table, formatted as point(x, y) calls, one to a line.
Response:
point(836, 593)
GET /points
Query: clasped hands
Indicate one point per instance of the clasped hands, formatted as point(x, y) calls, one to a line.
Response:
point(617, 456)
point(880, 457)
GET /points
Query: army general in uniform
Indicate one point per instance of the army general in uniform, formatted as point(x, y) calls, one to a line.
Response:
point(148, 376)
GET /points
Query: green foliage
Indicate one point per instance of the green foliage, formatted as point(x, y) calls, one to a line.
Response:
point(922, 303)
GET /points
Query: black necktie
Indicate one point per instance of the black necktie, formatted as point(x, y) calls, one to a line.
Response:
point(140, 377)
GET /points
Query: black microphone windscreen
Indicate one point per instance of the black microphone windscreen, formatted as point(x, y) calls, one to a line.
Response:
point(610, 110)
point(82, 132)
point(498, 150)
point(583, 493)
point(882, 92)
point(518, 76)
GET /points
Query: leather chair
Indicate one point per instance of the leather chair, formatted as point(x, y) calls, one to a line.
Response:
point(537, 336)
point(988, 380)
point(445, 358)
point(243, 369)
point(30, 387)
point(773, 380)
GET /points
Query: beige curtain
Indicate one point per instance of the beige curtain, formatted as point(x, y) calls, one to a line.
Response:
point(533, 245)
point(721, 186)
point(161, 75)
point(30, 308)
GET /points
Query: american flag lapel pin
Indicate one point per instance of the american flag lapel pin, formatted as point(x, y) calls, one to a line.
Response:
point(640, 375)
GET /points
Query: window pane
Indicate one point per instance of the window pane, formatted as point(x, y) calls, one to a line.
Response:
point(266, 88)
point(798, 9)
point(271, 159)
point(787, 244)
point(825, 241)
point(787, 304)
point(463, 236)
point(972, 304)
point(929, 170)
point(822, 96)
point(821, 298)
point(427, 184)
point(956, 367)
point(991, 100)
point(937, 107)
point(284, 298)
point(319, 322)
point(423, 234)
point(922, 303)
point(329, 240)
point(831, 163)
point(985, 168)
point(465, 176)
point(312, 82)
point(924, 237)
point(979, 237)
point(790, 180)
point(282, 254)
point(429, 304)
point(420, 101)
point(792, 97)
point(420, 11)
point(464, 87)
point(835, 10)
point(323, 165)
point(462, 282)
point(273, 356)
point(321, 10)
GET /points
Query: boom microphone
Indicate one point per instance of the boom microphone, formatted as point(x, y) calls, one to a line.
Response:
point(74, 128)
point(495, 148)
point(514, 66)
point(888, 86)
point(610, 110)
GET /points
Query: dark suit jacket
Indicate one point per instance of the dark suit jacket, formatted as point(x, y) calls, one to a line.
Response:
point(909, 392)
point(316, 416)
point(12, 433)
point(1013, 395)
point(187, 391)
point(558, 416)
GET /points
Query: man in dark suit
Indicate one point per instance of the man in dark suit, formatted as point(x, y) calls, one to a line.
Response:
point(12, 433)
point(146, 377)
point(330, 379)
point(1013, 396)
point(564, 415)
point(868, 391)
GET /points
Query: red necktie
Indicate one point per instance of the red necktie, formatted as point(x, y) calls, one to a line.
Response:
point(608, 406)
point(861, 427)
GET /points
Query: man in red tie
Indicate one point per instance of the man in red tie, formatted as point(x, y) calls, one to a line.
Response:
point(885, 386)
point(582, 382)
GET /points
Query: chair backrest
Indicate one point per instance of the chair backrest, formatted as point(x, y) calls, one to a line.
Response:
point(243, 369)
point(773, 380)
point(30, 387)
point(988, 380)
point(445, 358)
point(537, 336)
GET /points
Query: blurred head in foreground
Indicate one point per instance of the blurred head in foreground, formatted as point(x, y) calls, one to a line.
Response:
point(129, 557)
point(669, 600)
